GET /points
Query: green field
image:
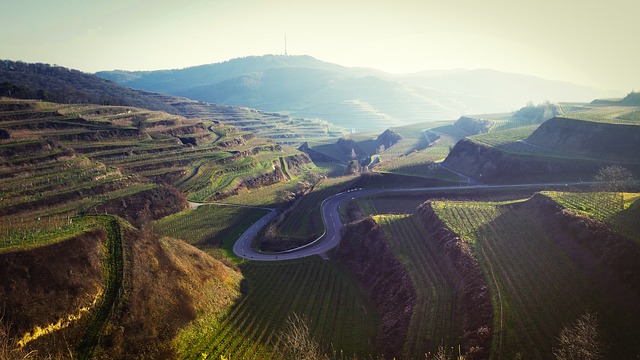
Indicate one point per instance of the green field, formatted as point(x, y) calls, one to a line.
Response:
point(321, 292)
point(212, 228)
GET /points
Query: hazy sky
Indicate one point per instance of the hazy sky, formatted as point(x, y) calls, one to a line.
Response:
point(588, 42)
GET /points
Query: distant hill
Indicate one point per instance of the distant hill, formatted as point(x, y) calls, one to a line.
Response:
point(354, 98)
point(602, 140)
point(632, 99)
point(172, 80)
point(507, 88)
point(59, 84)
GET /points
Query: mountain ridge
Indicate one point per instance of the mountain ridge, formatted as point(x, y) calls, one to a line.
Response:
point(353, 98)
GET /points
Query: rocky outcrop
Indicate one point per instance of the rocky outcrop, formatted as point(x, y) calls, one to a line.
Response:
point(388, 138)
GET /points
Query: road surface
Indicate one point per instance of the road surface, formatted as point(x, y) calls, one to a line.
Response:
point(333, 224)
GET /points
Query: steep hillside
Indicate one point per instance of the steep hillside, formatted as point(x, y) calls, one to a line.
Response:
point(472, 286)
point(365, 252)
point(619, 142)
point(65, 160)
point(632, 99)
point(84, 280)
point(80, 297)
point(559, 149)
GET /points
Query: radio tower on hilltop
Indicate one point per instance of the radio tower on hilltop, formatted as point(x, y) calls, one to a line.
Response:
point(285, 45)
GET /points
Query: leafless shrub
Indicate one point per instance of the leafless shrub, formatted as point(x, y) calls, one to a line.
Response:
point(298, 342)
point(579, 340)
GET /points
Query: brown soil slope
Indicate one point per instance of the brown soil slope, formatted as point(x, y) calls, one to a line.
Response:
point(166, 285)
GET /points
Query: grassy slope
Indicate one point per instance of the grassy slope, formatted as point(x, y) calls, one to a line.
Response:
point(212, 228)
point(537, 286)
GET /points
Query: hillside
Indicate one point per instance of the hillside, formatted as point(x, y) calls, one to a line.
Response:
point(283, 129)
point(545, 266)
point(167, 81)
point(632, 99)
point(73, 181)
point(351, 98)
point(125, 151)
point(559, 149)
point(62, 85)
point(58, 84)
point(617, 142)
point(509, 89)
point(81, 296)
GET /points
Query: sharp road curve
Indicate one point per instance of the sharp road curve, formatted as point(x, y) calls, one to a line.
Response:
point(333, 224)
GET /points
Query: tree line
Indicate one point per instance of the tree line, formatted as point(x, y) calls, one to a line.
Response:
point(62, 85)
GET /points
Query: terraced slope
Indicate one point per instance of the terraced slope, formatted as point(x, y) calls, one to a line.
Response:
point(281, 128)
point(61, 161)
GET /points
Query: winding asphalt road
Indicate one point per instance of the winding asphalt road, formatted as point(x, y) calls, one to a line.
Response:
point(333, 224)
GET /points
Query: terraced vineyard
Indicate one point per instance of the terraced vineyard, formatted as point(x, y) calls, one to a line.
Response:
point(503, 137)
point(619, 210)
point(421, 146)
point(537, 286)
point(609, 114)
point(436, 316)
point(283, 129)
point(62, 160)
point(314, 289)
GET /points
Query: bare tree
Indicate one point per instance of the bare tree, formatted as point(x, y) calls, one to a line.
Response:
point(443, 354)
point(614, 179)
point(298, 342)
point(579, 340)
point(8, 348)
